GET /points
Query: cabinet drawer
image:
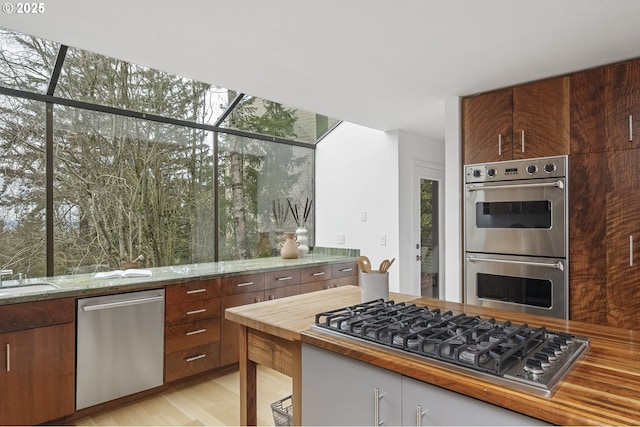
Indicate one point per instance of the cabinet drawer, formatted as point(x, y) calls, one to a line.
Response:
point(343, 270)
point(315, 274)
point(192, 334)
point(277, 279)
point(342, 281)
point(182, 364)
point(18, 317)
point(190, 311)
point(281, 292)
point(242, 284)
point(314, 286)
point(193, 291)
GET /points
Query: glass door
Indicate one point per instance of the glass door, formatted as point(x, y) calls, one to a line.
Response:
point(429, 247)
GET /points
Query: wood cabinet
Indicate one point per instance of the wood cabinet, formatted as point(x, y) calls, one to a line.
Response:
point(252, 288)
point(526, 121)
point(604, 201)
point(37, 356)
point(370, 395)
point(605, 108)
point(237, 290)
point(605, 239)
point(192, 328)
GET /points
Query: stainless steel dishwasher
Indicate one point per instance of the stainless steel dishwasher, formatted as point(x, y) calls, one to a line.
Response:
point(120, 346)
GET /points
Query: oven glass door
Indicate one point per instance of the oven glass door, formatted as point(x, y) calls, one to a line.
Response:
point(525, 217)
point(524, 284)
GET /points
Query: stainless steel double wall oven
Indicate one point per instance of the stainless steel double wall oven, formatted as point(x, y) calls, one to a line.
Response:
point(516, 235)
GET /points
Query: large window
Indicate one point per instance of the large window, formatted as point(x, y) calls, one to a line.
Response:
point(102, 161)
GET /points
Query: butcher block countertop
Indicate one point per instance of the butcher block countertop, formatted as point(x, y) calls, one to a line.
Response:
point(602, 388)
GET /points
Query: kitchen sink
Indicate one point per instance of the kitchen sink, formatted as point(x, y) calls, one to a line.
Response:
point(28, 288)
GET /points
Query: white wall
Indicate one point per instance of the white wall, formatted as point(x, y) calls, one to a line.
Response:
point(452, 202)
point(356, 172)
point(413, 149)
point(361, 169)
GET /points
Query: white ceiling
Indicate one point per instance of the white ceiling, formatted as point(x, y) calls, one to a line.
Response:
point(386, 64)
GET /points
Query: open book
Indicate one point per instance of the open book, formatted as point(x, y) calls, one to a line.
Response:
point(132, 272)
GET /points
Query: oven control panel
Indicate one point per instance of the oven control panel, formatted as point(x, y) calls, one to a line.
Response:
point(542, 167)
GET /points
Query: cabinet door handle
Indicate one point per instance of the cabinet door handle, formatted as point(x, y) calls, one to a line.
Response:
point(630, 251)
point(376, 406)
point(200, 356)
point(285, 278)
point(202, 310)
point(196, 291)
point(499, 145)
point(244, 284)
point(321, 273)
point(523, 140)
point(198, 331)
point(8, 357)
point(419, 414)
point(630, 128)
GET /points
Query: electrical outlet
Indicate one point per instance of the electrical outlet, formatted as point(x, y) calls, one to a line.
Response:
point(363, 215)
point(383, 240)
point(341, 238)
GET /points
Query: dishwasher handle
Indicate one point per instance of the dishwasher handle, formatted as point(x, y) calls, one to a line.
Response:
point(124, 303)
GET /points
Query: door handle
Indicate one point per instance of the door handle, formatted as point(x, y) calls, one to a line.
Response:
point(557, 183)
point(125, 303)
point(559, 265)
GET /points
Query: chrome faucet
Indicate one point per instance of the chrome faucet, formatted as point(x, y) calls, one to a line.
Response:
point(5, 273)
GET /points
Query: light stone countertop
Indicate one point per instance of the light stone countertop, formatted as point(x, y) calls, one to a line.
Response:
point(82, 285)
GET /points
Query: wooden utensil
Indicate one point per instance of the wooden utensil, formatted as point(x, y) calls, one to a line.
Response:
point(364, 264)
point(384, 265)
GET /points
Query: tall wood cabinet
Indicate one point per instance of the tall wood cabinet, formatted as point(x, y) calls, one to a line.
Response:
point(604, 193)
point(526, 121)
point(37, 356)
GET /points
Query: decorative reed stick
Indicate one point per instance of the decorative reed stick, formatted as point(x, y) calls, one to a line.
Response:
point(280, 214)
point(300, 220)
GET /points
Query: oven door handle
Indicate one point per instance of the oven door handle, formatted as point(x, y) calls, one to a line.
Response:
point(559, 265)
point(559, 184)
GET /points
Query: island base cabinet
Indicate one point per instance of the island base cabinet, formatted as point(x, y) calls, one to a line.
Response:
point(429, 405)
point(338, 390)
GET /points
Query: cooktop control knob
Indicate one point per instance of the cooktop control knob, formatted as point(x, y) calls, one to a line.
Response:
point(491, 172)
point(476, 173)
point(532, 168)
point(549, 167)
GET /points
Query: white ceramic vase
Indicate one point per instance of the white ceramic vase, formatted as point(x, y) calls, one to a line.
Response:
point(303, 241)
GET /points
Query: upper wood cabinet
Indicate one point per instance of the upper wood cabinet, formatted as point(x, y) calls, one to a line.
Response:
point(605, 108)
point(527, 121)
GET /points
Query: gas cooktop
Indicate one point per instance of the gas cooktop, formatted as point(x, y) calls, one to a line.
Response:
point(533, 359)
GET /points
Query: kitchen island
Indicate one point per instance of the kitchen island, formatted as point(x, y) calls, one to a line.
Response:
point(602, 388)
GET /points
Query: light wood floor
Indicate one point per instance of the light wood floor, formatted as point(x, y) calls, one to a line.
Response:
point(212, 400)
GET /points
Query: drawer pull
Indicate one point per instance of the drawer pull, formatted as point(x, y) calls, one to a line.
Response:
point(202, 310)
point(321, 273)
point(194, 358)
point(199, 331)
point(285, 278)
point(344, 270)
point(244, 284)
point(196, 291)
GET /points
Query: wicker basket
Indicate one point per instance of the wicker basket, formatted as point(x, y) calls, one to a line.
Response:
point(282, 411)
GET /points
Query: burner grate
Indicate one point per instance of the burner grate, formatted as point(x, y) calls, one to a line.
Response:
point(481, 344)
